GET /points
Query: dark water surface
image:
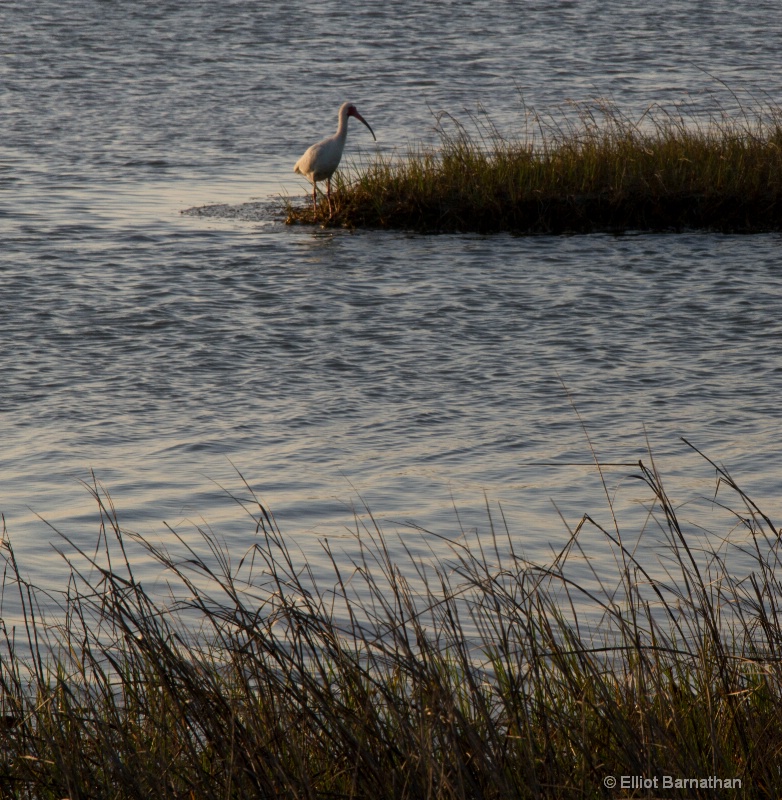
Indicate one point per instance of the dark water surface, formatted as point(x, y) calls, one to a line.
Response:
point(417, 373)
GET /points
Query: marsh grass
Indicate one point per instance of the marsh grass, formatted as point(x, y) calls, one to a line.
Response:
point(596, 170)
point(478, 679)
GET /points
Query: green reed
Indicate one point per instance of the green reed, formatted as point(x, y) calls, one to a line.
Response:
point(597, 171)
point(481, 678)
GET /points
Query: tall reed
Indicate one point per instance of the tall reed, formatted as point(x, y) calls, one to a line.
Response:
point(599, 171)
point(478, 676)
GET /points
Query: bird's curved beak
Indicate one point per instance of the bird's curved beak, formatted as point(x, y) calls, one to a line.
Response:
point(359, 117)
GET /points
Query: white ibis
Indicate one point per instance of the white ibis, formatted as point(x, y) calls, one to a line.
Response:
point(322, 159)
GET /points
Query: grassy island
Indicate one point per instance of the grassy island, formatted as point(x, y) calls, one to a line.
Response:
point(253, 680)
point(601, 172)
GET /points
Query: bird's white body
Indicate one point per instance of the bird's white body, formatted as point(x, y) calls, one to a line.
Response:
point(321, 160)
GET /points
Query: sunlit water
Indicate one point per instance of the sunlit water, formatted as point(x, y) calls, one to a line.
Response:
point(414, 374)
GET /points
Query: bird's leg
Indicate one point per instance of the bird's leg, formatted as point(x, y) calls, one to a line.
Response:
point(328, 194)
point(315, 195)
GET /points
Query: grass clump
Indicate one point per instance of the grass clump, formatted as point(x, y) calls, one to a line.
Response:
point(481, 678)
point(598, 172)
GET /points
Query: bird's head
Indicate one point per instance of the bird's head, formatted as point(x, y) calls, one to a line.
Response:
point(352, 111)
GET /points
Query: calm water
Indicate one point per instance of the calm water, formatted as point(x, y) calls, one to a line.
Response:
point(413, 373)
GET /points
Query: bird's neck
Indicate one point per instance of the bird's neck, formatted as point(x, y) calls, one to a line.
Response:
point(342, 128)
